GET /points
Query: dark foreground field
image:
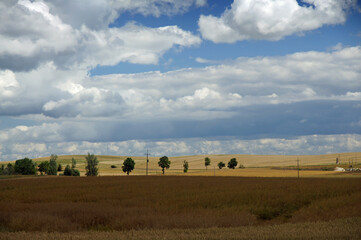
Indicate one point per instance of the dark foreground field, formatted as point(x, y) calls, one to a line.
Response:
point(181, 207)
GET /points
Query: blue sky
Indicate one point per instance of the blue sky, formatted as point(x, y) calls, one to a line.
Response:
point(179, 77)
point(321, 39)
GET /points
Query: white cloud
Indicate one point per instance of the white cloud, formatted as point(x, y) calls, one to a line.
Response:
point(244, 82)
point(272, 20)
point(202, 60)
point(22, 128)
point(29, 31)
point(207, 61)
point(35, 88)
point(90, 102)
point(8, 84)
point(35, 33)
point(204, 103)
point(353, 94)
point(311, 144)
point(133, 43)
point(216, 90)
point(46, 132)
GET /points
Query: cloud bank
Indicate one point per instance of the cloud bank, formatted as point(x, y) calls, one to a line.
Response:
point(313, 144)
point(211, 92)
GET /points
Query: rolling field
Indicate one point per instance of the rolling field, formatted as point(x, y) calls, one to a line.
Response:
point(256, 165)
point(181, 207)
point(201, 204)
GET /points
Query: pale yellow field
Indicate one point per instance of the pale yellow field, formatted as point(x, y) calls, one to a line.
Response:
point(262, 172)
point(256, 165)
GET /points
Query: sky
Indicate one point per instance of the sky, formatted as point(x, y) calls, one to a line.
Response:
point(118, 77)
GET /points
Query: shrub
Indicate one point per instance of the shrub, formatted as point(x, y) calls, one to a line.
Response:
point(25, 166)
point(327, 168)
point(185, 166)
point(75, 172)
point(113, 166)
point(232, 163)
point(241, 166)
point(60, 168)
point(70, 171)
point(221, 165)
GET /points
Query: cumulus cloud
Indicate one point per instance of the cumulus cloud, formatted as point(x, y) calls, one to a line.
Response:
point(219, 89)
point(210, 92)
point(91, 102)
point(35, 88)
point(272, 20)
point(29, 34)
point(59, 36)
point(133, 43)
point(8, 83)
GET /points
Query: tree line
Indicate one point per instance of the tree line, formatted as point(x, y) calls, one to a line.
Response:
point(27, 166)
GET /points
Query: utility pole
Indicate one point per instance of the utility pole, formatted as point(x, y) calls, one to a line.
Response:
point(146, 172)
point(298, 168)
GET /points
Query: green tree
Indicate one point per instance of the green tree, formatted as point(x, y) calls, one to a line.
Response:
point(43, 167)
point(10, 169)
point(91, 168)
point(185, 166)
point(53, 166)
point(128, 165)
point(232, 163)
point(70, 171)
point(75, 172)
point(207, 162)
point(67, 170)
point(60, 168)
point(221, 165)
point(164, 163)
point(73, 163)
point(25, 166)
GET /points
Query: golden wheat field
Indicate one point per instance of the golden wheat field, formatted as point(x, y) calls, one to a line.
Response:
point(255, 165)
